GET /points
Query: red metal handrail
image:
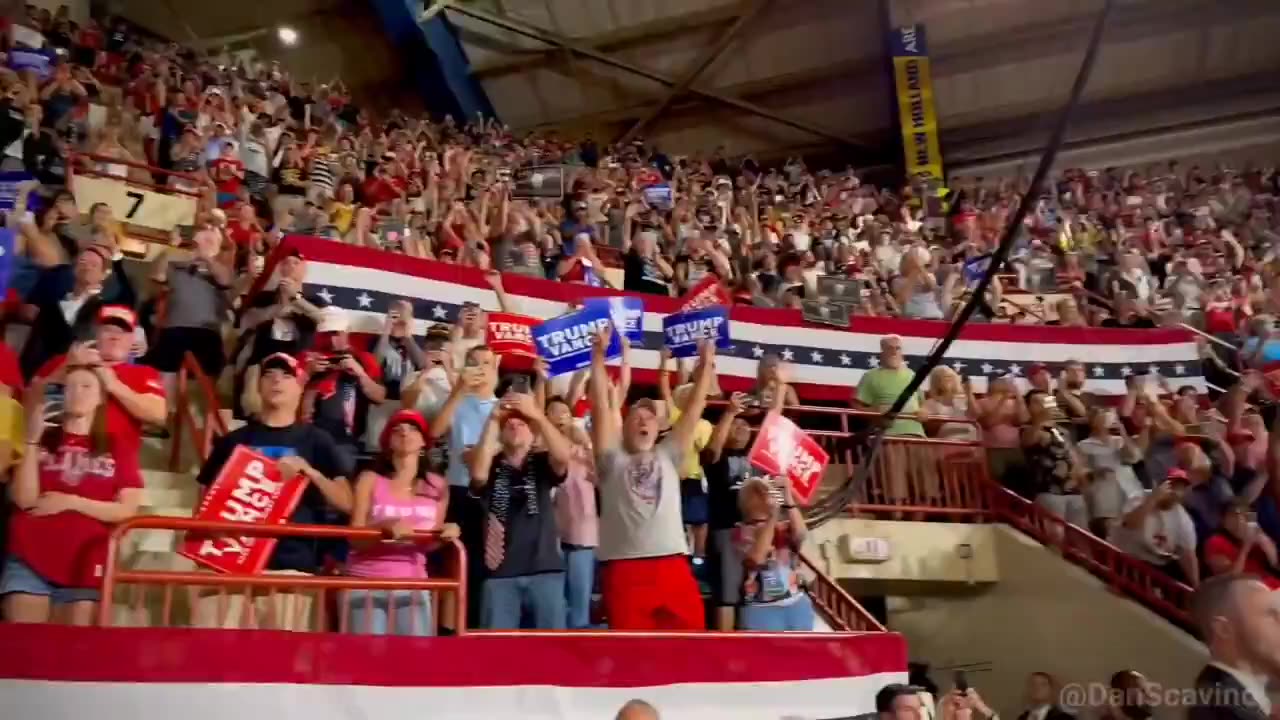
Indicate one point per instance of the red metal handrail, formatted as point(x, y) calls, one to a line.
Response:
point(841, 611)
point(73, 166)
point(202, 434)
point(116, 575)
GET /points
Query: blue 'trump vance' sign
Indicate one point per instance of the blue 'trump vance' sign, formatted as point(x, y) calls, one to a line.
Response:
point(683, 331)
point(565, 342)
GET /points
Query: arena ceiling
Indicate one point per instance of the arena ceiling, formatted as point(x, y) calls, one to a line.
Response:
point(780, 76)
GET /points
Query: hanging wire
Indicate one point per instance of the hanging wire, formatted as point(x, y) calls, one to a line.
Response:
point(835, 503)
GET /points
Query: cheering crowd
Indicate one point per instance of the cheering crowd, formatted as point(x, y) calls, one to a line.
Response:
point(541, 479)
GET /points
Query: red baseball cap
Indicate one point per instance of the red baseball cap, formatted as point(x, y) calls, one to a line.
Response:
point(119, 316)
point(1037, 368)
point(401, 417)
point(283, 361)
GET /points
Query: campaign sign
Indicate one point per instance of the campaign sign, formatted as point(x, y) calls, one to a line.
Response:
point(11, 188)
point(510, 334)
point(782, 448)
point(658, 197)
point(565, 342)
point(626, 312)
point(249, 489)
point(705, 294)
point(685, 330)
point(20, 60)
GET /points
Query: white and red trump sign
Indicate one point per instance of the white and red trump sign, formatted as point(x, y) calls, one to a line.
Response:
point(511, 334)
point(705, 294)
point(249, 489)
point(782, 448)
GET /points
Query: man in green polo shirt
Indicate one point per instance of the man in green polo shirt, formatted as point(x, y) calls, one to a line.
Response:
point(880, 387)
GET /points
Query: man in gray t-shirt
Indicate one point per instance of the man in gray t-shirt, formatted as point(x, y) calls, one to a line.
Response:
point(647, 579)
point(196, 307)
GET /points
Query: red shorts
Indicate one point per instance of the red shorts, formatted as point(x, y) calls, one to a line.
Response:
point(652, 594)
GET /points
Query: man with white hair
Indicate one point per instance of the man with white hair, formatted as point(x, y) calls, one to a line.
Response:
point(881, 386)
point(645, 270)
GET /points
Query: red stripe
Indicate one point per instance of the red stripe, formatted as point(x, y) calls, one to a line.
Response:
point(59, 653)
point(328, 251)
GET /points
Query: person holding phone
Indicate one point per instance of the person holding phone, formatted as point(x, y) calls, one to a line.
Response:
point(964, 703)
point(75, 481)
point(769, 539)
point(345, 382)
point(1158, 530)
point(1240, 546)
point(521, 539)
point(398, 356)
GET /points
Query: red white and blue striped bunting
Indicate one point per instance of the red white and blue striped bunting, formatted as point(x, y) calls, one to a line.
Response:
point(826, 362)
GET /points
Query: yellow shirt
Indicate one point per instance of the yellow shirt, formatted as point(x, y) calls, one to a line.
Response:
point(12, 429)
point(691, 469)
point(341, 215)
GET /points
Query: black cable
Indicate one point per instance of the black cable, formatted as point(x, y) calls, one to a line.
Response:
point(834, 505)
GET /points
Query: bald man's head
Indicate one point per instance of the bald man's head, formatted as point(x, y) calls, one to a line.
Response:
point(1218, 598)
point(1239, 618)
point(637, 710)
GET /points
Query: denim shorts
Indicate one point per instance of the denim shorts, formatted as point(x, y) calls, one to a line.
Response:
point(20, 578)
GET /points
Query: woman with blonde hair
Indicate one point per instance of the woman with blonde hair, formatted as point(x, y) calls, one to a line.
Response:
point(769, 538)
point(74, 482)
point(950, 396)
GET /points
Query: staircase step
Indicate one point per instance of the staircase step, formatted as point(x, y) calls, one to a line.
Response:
point(175, 497)
point(163, 479)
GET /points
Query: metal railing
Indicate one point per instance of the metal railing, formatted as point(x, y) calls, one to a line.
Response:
point(841, 611)
point(201, 427)
point(280, 601)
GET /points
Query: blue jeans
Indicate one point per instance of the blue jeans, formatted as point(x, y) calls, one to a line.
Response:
point(579, 577)
point(795, 617)
point(503, 599)
point(389, 612)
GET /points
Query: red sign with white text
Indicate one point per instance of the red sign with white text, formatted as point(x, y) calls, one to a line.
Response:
point(249, 489)
point(782, 448)
point(511, 334)
point(705, 294)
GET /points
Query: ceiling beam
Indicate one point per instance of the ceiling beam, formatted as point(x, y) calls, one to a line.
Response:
point(611, 41)
point(541, 35)
point(748, 10)
point(969, 54)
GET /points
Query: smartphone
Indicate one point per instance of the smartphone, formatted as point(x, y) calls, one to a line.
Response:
point(520, 384)
point(962, 681)
point(54, 396)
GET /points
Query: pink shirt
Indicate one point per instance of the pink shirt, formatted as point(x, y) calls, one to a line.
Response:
point(399, 560)
point(575, 501)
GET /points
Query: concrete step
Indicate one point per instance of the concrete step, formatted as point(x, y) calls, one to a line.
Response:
point(173, 497)
point(163, 479)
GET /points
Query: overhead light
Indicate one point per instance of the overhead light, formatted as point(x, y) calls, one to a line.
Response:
point(287, 35)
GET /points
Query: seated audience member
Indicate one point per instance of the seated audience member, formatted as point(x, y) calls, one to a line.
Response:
point(725, 463)
point(769, 539)
point(398, 356)
point(135, 393)
point(1240, 546)
point(522, 545)
point(345, 382)
point(1042, 699)
point(196, 307)
point(398, 497)
point(576, 514)
point(647, 580)
point(297, 448)
point(1156, 529)
point(73, 483)
point(64, 304)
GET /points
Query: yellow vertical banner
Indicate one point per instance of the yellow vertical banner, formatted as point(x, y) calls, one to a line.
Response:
point(916, 114)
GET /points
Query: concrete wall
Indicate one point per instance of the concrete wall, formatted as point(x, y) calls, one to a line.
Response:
point(1044, 614)
point(919, 552)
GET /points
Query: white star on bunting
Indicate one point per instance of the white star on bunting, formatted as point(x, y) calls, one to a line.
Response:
point(325, 295)
point(757, 351)
point(817, 356)
point(1126, 371)
point(439, 313)
point(364, 300)
point(1153, 369)
point(873, 361)
point(845, 359)
point(1180, 369)
point(1098, 371)
point(987, 368)
point(958, 366)
point(1015, 369)
point(787, 354)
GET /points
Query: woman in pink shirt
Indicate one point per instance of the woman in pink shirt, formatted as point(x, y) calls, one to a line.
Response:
point(576, 516)
point(400, 499)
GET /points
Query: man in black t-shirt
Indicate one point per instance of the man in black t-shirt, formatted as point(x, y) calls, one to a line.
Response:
point(724, 463)
point(644, 268)
point(298, 449)
point(522, 543)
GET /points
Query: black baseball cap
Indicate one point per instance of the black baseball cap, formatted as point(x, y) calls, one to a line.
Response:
point(890, 693)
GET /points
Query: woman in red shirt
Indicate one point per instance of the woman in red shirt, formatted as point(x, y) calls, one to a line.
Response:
point(1241, 546)
point(72, 485)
